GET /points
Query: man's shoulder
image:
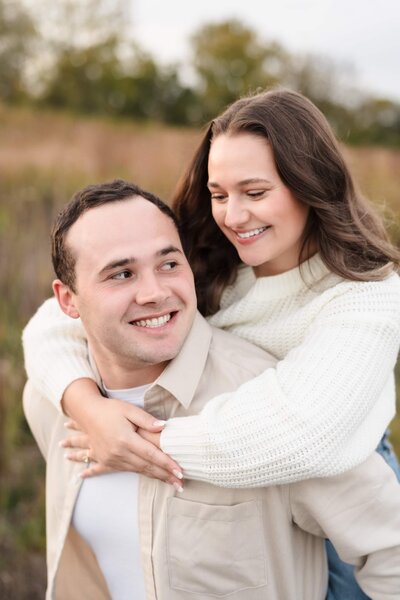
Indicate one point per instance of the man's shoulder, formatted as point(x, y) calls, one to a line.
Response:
point(229, 348)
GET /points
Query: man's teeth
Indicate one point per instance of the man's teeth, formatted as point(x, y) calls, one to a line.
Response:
point(158, 322)
point(252, 233)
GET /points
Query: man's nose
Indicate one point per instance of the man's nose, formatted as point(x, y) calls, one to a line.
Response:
point(151, 290)
point(236, 215)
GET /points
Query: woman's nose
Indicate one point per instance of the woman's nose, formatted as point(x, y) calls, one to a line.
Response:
point(235, 215)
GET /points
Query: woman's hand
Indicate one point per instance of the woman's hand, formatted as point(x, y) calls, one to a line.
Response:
point(154, 438)
point(82, 452)
point(108, 430)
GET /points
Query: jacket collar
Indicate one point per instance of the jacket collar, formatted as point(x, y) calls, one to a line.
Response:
point(182, 375)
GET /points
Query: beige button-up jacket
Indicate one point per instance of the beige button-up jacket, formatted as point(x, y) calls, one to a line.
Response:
point(209, 542)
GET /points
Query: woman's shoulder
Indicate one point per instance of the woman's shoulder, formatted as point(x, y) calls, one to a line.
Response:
point(377, 287)
point(377, 299)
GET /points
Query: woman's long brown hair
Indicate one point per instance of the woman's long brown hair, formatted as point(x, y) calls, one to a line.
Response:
point(349, 234)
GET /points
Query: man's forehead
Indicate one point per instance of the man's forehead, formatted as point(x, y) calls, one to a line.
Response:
point(128, 229)
point(138, 206)
point(134, 216)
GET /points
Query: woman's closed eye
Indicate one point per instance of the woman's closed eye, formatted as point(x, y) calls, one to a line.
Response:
point(252, 194)
point(256, 193)
point(218, 197)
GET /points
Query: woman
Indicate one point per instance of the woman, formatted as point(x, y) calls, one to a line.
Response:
point(320, 292)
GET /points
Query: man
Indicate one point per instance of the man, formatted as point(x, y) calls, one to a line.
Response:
point(122, 270)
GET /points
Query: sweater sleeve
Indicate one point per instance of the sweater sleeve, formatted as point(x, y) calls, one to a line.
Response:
point(55, 350)
point(320, 412)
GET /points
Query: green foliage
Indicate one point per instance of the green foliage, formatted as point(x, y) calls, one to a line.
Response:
point(85, 79)
point(102, 70)
point(377, 121)
point(149, 91)
point(17, 33)
point(230, 61)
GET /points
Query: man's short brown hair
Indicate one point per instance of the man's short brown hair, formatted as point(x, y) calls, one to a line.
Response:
point(63, 258)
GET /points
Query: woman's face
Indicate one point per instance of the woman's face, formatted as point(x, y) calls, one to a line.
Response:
point(253, 208)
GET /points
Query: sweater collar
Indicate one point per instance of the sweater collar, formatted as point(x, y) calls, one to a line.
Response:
point(309, 273)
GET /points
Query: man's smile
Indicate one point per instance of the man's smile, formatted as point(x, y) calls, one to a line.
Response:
point(154, 322)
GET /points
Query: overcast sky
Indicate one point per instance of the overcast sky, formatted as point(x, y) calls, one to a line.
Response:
point(361, 33)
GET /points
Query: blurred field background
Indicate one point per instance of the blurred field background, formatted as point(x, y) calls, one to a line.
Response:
point(72, 130)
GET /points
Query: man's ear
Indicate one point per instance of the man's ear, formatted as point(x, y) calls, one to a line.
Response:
point(66, 298)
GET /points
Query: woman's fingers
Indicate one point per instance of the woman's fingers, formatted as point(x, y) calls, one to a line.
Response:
point(140, 418)
point(114, 442)
point(76, 441)
point(83, 456)
point(145, 469)
point(71, 424)
point(150, 454)
point(128, 453)
point(140, 466)
point(140, 456)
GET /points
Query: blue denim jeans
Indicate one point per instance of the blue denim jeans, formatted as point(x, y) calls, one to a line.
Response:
point(342, 583)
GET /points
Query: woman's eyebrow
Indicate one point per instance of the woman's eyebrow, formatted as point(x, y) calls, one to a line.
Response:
point(214, 184)
point(254, 180)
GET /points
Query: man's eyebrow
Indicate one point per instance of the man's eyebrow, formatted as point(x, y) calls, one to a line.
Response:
point(168, 250)
point(214, 184)
point(122, 262)
point(115, 264)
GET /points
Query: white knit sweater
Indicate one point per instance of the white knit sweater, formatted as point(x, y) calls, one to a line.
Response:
point(321, 411)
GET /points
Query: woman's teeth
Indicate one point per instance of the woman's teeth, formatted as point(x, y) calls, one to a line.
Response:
point(157, 322)
point(251, 233)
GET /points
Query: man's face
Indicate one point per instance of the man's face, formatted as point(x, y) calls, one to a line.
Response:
point(135, 289)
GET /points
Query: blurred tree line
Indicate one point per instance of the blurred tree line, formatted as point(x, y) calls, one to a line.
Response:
point(81, 56)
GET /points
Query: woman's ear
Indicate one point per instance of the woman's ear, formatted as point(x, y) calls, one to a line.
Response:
point(66, 298)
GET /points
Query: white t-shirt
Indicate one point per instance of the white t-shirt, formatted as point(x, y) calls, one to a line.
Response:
point(106, 516)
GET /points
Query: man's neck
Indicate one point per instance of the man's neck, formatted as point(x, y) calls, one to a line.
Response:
point(134, 396)
point(123, 373)
point(117, 378)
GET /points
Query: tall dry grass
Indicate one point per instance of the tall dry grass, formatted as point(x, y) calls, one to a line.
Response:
point(44, 158)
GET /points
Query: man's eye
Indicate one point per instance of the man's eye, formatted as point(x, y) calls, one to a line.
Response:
point(168, 266)
point(122, 275)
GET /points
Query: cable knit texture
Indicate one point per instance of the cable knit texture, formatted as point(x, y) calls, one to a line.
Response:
point(321, 411)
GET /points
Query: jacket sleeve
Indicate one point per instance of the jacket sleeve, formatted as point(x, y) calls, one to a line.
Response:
point(55, 350)
point(321, 411)
point(359, 512)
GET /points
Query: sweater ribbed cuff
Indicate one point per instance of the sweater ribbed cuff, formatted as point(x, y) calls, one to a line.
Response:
point(185, 440)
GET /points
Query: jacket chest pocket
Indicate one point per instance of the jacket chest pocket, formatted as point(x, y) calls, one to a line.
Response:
point(215, 550)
